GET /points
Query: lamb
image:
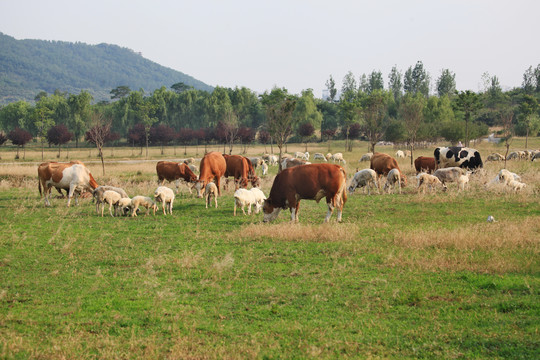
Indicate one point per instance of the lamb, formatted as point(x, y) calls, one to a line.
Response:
point(110, 197)
point(462, 181)
point(450, 174)
point(264, 168)
point(98, 195)
point(243, 198)
point(427, 180)
point(319, 156)
point(364, 178)
point(124, 205)
point(210, 191)
point(145, 201)
point(165, 195)
point(516, 185)
point(301, 155)
point(393, 179)
point(366, 157)
point(400, 154)
point(338, 157)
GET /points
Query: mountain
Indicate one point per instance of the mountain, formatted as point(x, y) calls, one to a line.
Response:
point(30, 66)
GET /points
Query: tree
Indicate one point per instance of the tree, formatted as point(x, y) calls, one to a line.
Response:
point(59, 135)
point(98, 133)
point(228, 129)
point(3, 138)
point(162, 135)
point(375, 81)
point(17, 114)
point(148, 118)
point(507, 116)
point(395, 84)
point(246, 136)
point(181, 87)
point(411, 111)
point(417, 80)
point(331, 87)
point(306, 130)
point(446, 83)
point(264, 138)
point(19, 137)
point(529, 116)
point(137, 136)
point(529, 83)
point(279, 110)
point(43, 122)
point(374, 105)
point(469, 103)
point(79, 108)
point(306, 110)
point(185, 136)
point(120, 92)
point(349, 85)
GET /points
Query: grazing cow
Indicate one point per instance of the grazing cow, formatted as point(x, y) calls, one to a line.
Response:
point(213, 167)
point(382, 164)
point(172, 171)
point(424, 163)
point(456, 156)
point(74, 177)
point(290, 162)
point(313, 182)
point(241, 169)
point(364, 178)
point(427, 180)
point(451, 174)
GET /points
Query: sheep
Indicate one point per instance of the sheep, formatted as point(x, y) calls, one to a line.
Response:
point(450, 174)
point(504, 176)
point(145, 201)
point(338, 157)
point(364, 178)
point(195, 170)
point(427, 180)
point(535, 155)
point(400, 154)
point(243, 198)
point(301, 155)
point(110, 197)
point(462, 181)
point(189, 161)
point(513, 155)
point(98, 195)
point(366, 157)
point(393, 178)
point(328, 156)
point(165, 195)
point(272, 160)
point(495, 157)
point(124, 205)
point(319, 156)
point(516, 185)
point(211, 191)
point(256, 161)
point(264, 168)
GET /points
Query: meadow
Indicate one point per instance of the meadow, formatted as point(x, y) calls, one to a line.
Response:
point(403, 276)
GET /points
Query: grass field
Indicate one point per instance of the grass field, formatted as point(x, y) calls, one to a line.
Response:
point(404, 276)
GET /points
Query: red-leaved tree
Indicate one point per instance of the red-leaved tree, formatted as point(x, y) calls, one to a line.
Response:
point(59, 135)
point(19, 137)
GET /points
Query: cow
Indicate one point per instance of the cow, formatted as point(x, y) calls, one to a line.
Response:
point(311, 182)
point(213, 166)
point(241, 169)
point(172, 171)
point(456, 156)
point(382, 164)
point(45, 165)
point(424, 163)
point(72, 177)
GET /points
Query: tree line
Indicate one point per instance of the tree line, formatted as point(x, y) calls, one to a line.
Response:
point(405, 110)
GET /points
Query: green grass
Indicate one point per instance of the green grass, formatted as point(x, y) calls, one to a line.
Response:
point(205, 284)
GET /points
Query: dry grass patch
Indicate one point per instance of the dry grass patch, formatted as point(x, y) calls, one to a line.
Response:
point(298, 232)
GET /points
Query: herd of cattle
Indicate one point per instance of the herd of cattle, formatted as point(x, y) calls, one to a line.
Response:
point(298, 180)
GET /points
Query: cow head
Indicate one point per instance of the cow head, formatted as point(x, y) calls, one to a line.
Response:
point(255, 181)
point(269, 211)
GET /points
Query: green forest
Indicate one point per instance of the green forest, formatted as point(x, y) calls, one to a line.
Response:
point(407, 107)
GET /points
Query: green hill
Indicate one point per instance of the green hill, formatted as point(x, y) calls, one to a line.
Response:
point(30, 66)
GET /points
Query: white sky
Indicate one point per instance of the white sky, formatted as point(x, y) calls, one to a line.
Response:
point(298, 44)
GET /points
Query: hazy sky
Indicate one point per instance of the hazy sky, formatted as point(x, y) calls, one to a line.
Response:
point(298, 44)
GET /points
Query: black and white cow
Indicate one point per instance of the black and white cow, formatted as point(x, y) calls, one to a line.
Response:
point(463, 157)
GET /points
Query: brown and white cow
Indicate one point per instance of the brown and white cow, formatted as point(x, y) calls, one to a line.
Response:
point(241, 169)
point(172, 171)
point(382, 164)
point(311, 182)
point(424, 164)
point(73, 177)
point(213, 167)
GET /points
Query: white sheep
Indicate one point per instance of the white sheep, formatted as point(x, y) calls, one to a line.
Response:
point(110, 197)
point(427, 180)
point(243, 198)
point(264, 168)
point(364, 178)
point(392, 180)
point(400, 154)
point(210, 191)
point(124, 205)
point(165, 196)
point(98, 195)
point(319, 156)
point(338, 157)
point(462, 181)
point(516, 185)
point(366, 157)
point(145, 201)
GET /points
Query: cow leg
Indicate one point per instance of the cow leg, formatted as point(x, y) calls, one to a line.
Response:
point(218, 182)
point(70, 195)
point(330, 211)
point(46, 193)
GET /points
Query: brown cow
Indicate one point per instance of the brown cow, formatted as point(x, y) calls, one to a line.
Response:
point(73, 176)
point(241, 169)
point(382, 164)
point(313, 182)
point(172, 171)
point(41, 173)
point(213, 167)
point(424, 163)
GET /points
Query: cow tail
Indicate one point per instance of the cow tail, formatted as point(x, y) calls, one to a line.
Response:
point(39, 187)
